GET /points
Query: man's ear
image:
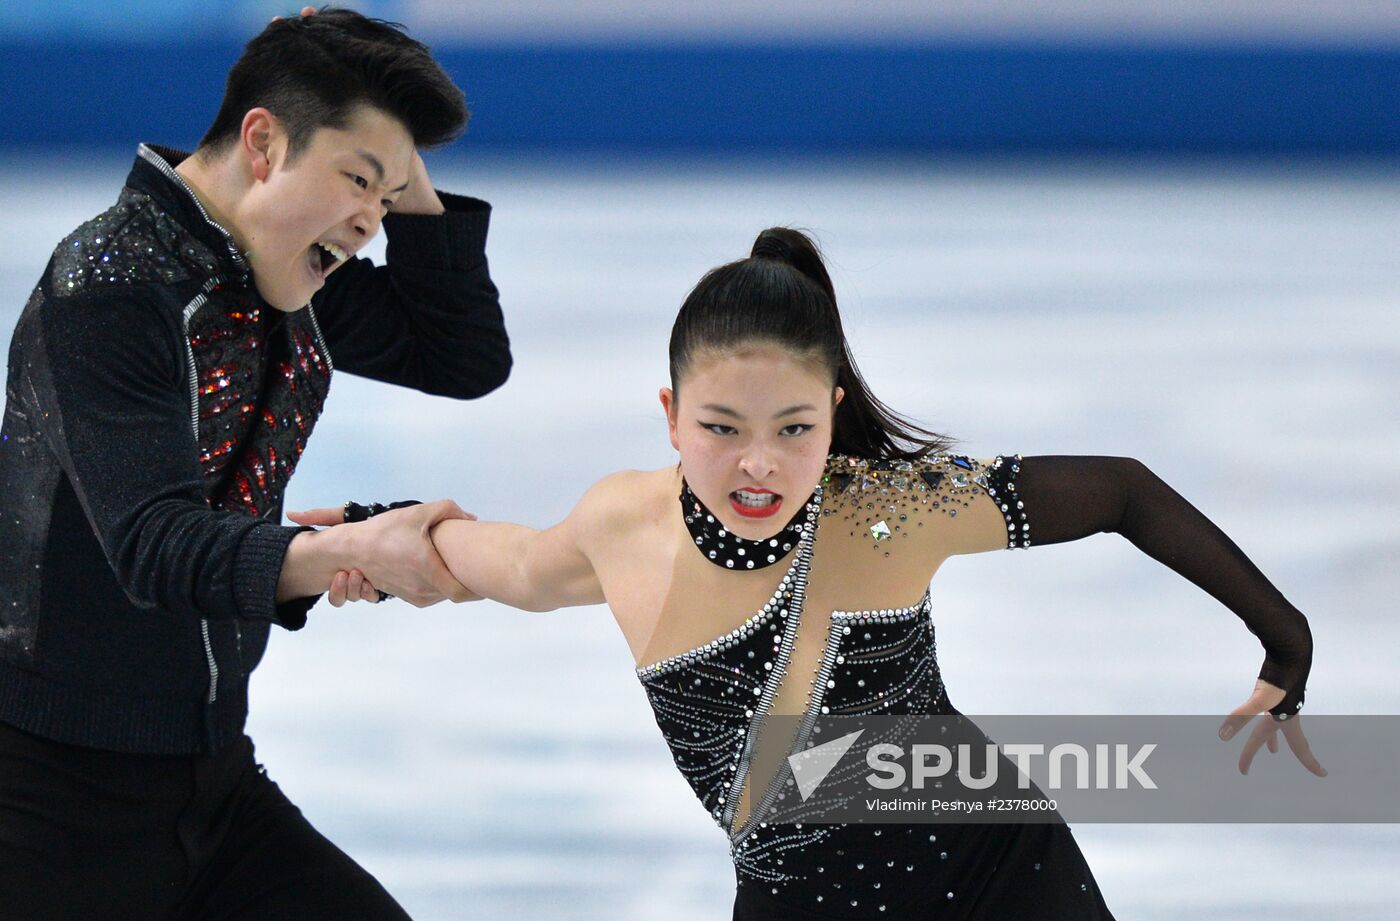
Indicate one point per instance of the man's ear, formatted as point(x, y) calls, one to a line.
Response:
point(668, 404)
point(259, 141)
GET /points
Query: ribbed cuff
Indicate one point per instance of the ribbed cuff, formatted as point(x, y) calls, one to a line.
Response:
point(257, 569)
point(452, 241)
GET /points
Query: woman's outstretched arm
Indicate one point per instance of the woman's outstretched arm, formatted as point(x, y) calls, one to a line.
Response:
point(519, 566)
point(1066, 498)
point(523, 567)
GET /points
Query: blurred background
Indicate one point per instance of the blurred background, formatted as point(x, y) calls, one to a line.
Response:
point(1159, 230)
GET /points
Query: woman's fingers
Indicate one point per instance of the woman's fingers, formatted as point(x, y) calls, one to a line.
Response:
point(319, 517)
point(1264, 731)
point(336, 593)
point(367, 590)
point(1298, 743)
point(1265, 734)
point(1265, 697)
point(353, 586)
point(350, 586)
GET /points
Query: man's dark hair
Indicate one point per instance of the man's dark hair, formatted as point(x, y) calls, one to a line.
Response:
point(316, 71)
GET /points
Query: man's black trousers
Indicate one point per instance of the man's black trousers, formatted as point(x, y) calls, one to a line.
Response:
point(95, 835)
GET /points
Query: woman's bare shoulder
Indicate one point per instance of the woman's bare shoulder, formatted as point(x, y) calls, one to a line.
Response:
point(628, 498)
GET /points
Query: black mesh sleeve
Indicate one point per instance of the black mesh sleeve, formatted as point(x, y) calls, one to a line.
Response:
point(1066, 498)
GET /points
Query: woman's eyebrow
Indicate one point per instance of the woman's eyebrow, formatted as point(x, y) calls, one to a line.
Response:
point(733, 414)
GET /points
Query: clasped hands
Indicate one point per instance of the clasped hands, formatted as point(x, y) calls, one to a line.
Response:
point(395, 553)
point(391, 552)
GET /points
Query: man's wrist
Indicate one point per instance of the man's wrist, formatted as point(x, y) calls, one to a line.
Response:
point(429, 204)
point(314, 557)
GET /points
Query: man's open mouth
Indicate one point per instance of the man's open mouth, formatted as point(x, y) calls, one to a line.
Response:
point(325, 256)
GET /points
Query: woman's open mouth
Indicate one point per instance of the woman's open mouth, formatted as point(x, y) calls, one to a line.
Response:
point(755, 503)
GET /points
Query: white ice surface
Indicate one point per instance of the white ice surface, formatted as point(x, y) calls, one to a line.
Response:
point(1235, 328)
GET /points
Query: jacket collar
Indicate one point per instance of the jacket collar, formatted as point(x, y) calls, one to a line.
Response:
point(154, 174)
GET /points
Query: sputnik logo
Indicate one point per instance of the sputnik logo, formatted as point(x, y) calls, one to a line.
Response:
point(810, 767)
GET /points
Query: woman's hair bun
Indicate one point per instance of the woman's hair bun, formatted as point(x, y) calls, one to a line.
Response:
point(797, 249)
point(773, 243)
point(783, 244)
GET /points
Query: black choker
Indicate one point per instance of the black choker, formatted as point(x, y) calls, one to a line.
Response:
point(733, 552)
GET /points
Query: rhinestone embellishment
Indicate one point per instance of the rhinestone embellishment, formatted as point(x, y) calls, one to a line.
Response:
point(726, 549)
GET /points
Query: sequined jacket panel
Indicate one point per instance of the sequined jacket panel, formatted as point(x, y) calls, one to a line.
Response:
point(155, 408)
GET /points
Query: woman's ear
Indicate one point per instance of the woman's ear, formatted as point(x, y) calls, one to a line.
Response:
point(668, 405)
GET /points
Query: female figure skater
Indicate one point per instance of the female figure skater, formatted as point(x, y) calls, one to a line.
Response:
point(783, 568)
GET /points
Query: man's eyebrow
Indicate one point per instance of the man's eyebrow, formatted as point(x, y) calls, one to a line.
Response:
point(378, 168)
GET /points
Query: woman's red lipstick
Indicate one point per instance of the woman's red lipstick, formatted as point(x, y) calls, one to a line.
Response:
point(763, 511)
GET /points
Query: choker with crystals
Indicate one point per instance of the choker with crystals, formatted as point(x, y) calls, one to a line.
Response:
point(724, 548)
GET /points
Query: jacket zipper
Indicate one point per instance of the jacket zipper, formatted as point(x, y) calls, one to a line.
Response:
point(190, 310)
point(156, 160)
point(320, 339)
point(209, 657)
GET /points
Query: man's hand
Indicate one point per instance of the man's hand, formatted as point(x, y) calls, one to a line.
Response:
point(305, 11)
point(419, 197)
point(392, 551)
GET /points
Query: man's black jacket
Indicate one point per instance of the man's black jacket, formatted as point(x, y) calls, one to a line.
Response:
point(154, 409)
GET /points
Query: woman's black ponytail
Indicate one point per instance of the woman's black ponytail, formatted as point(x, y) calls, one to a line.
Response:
point(782, 294)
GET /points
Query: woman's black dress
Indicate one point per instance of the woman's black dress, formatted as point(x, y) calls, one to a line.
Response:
point(710, 702)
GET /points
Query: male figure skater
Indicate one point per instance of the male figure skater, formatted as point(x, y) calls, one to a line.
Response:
point(163, 380)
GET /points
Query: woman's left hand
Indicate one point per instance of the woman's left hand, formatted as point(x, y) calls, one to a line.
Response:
point(355, 586)
point(1266, 730)
point(351, 586)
